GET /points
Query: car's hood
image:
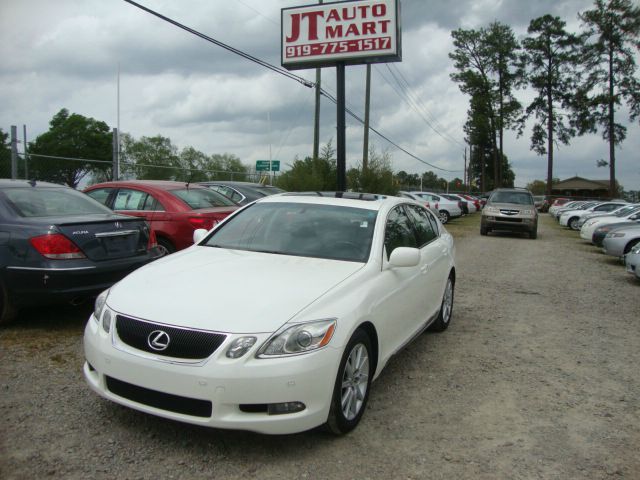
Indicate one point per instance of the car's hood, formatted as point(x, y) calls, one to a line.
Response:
point(226, 290)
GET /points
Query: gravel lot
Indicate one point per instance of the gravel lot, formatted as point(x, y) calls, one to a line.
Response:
point(537, 377)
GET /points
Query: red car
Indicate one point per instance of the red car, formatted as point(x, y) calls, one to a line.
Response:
point(173, 209)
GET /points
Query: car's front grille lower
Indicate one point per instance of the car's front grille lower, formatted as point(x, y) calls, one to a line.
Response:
point(167, 341)
point(509, 219)
point(161, 400)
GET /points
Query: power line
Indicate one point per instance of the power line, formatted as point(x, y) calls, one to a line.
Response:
point(281, 71)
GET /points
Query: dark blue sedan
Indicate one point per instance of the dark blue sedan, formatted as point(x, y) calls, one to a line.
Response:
point(59, 245)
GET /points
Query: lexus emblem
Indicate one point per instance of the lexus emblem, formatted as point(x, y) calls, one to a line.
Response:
point(158, 340)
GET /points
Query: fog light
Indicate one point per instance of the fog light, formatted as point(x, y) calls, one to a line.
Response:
point(240, 346)
point(285, 407)
point(106, 321)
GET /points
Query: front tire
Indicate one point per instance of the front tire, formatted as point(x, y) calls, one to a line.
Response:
point(446, 308)
point(572, 223)
point(444, 216)
point(165, 247)
point(351, 390)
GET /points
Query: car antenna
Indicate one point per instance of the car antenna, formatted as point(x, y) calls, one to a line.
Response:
point(32, 182)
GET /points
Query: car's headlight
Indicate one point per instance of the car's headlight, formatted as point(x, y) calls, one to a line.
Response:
point(616, 235)
point(99, 305)
point(299, 338)
point(492, 210)
point(528, 212)
point(636, 249)
point(102, 314)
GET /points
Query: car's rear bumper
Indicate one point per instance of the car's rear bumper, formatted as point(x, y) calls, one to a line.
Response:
point(31, 286)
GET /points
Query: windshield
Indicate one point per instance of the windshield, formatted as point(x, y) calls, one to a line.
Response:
point(307, 230)
point(519, 198)
point(203, 198)
point(52, 202)
point(624, 211)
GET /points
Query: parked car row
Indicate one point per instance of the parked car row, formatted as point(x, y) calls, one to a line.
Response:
point(59, 245)
point(446, 206)
point(614, 227)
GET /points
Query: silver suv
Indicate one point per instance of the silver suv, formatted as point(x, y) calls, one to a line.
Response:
point(510, 209)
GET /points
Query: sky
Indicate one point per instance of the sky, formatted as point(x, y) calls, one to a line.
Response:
point(67, 53)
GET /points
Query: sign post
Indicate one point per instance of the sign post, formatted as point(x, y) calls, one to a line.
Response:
point(339, 34)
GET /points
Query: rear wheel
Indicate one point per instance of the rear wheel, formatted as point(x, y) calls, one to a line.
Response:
point(351, 390)
point(165, 246)
point(446, 308)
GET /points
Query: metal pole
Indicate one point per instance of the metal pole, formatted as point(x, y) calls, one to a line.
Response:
point(316, 121)
point(367, 102)
point(115, 174)
point(14, 152)
point(341, 126)
point(26, 161)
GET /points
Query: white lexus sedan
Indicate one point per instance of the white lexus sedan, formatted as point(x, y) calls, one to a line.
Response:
point(278, 320)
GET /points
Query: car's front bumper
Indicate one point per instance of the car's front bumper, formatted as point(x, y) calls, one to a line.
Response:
point(221, 383)
point(514, 224)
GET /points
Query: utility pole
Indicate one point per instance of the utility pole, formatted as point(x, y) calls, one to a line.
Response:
point(14, 152)
point(115, 165)
point(316, 121)
point(341, 152)
point(26, 162)
point(367, 102)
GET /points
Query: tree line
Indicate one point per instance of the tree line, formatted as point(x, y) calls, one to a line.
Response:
point(79, 149)
point(581, 81)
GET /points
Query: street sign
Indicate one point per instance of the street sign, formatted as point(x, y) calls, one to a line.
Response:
point(263, 165)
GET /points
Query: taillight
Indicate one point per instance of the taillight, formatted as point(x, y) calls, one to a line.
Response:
point(153, 241)
point(56, 246)
point(437, 206)
point(202, 222)
point(427, 204)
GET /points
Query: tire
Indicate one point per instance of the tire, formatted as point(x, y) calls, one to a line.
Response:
point(444, 216)
point(630, 245)
point(446, 308)
point(572, 222)
point(165, 246)
point(533, 234)
point(351, 387)
point(483, 230)
point(7, 311)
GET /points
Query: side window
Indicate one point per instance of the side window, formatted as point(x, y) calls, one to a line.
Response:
point(153, 204)
point(128, 199)
point(398, 231)
point(424, 230)
point(100, 194)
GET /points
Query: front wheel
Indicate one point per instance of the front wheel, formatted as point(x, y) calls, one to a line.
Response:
point(351, 390)
point(446, 309)
point(165, 247)
point(7, 311)
point(444, 216)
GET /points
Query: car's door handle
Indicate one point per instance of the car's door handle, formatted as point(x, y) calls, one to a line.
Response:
point(424, 268)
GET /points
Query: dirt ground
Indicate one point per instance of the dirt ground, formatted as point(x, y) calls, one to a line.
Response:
point(537, 378)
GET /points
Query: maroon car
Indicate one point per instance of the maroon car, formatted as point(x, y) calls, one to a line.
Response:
point(173, 209)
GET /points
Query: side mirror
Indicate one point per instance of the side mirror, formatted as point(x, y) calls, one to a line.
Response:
point(404, 257)
point(199, 234)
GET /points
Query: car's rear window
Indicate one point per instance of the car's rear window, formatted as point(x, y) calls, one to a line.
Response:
point(519, 198)
point(203, 198)
point(52, 202)
point(300, 229)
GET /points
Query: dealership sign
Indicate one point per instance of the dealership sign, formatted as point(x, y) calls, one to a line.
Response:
point(353, 32)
